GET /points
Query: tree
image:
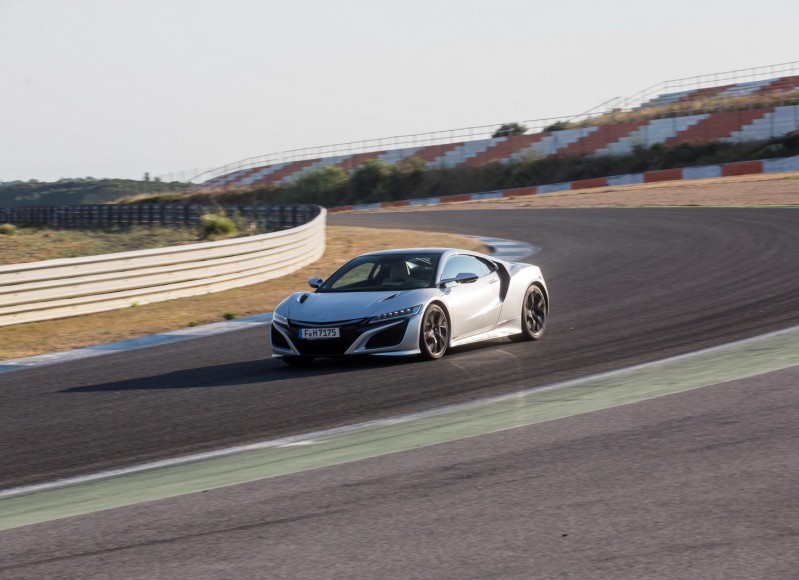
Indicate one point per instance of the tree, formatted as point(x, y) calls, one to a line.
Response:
point(320, 185)
point(405, 177)
point(557, 126)
point(508, 129)
point(368, 181)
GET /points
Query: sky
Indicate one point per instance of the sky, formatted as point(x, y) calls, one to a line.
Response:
point(117, 88)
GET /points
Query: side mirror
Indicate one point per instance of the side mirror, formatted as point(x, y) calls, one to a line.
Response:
point(466, 277)
point(315, 282)
point(461, 278)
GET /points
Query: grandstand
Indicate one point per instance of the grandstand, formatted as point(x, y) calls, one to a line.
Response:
point(704, 109)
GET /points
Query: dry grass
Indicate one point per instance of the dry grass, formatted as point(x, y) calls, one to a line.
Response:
point(342, 244)
point(35, 244)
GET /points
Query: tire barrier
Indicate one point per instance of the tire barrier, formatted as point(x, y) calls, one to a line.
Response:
point(268, 217)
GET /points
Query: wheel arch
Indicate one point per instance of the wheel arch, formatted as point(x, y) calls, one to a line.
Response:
point(543, 287)
point(441, 304)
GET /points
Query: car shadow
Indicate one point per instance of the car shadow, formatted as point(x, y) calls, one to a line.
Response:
point(255, 372)
point(259, 372)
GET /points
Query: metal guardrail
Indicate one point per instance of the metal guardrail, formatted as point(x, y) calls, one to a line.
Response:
point(73, 286)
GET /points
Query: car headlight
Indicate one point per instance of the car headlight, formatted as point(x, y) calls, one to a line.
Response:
point(403, 313)
point(280, 319)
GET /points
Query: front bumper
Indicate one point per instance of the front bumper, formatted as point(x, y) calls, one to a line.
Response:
point(392, 337)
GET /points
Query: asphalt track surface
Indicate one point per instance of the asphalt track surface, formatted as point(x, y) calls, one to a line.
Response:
point(689, 486)
point(627, 285)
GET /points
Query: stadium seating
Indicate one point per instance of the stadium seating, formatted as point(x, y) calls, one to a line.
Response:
point(654, 131)
point(780, 121)
point(286, 171)
point(503, 148)
point(599, 138)
point(781, 85)
point(716, 126)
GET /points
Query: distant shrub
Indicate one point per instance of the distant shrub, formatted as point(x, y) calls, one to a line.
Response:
point(230, 316)
point(8, 229)
point(212, 225)
point(557, 126)
point(244, 225)
point(509, 129)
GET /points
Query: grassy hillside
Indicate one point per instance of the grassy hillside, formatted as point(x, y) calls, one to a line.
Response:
point(79, 191)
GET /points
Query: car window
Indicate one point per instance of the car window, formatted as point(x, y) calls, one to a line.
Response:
point(357, 274)
point(464, 264)
point(383, 272)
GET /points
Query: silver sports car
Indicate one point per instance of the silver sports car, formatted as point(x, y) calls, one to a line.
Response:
point(416, 301)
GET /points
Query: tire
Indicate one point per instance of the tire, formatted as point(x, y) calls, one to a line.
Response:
point(298, 361)
point(434, 333)
point(535, 310)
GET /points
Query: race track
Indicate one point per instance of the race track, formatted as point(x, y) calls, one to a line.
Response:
point(699, 484)
point(627, 285)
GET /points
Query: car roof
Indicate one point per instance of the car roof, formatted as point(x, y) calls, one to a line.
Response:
point(409, 251)
point(441, 251)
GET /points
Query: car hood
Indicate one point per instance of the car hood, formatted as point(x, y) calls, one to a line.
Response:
point(335, 306)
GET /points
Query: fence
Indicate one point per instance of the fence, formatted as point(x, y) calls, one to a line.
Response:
point(267, 217)
point(73, 286)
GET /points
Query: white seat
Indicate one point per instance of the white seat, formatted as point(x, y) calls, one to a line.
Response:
point(398, 275)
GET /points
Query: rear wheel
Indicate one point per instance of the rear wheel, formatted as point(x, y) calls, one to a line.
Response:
point(534, 314)
point(434, 333)
point(298, 361)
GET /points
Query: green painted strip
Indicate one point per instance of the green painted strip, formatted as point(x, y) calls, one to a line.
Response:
point(738, 360)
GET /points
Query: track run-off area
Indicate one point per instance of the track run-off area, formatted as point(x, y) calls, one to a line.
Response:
point(698, 483)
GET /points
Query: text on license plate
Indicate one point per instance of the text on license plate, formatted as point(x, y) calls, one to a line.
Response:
point(319, 333)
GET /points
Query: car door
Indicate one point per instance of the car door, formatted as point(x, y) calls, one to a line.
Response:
point(475, 306)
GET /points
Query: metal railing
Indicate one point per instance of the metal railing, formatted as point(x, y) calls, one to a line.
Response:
point(711, 80)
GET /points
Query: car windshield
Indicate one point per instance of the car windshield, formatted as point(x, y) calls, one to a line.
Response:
point(379, 272)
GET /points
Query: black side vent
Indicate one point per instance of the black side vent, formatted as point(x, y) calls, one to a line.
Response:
point(303, 298)
point(279, 340)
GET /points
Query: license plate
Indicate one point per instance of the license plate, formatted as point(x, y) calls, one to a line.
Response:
point(319, 333)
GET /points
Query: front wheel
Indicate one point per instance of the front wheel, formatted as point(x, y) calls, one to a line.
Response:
point(434, 333)
point(534, 314)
